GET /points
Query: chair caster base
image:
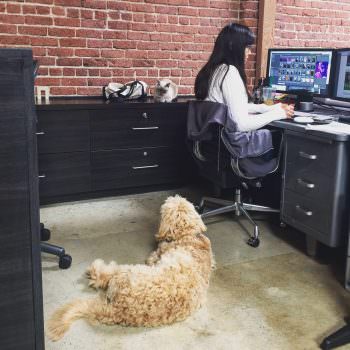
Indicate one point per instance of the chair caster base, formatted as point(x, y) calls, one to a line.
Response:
point(253, 242)
point(65, 261)
point(199, 209)
point(45, 234)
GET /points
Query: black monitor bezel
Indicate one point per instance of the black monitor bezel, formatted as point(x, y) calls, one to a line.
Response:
point(307, 49)
point(336, 76)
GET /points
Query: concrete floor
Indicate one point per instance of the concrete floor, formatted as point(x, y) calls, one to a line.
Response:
point(270, 298)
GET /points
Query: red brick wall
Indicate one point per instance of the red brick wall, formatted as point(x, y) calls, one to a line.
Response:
point(84, 44)
point(310, 23)
point(249, 14)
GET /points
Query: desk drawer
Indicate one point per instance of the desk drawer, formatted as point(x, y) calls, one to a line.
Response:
point(135, 167)
point(64, 173)
point(130, 128)
point(311, 217)
point(314, 186)
point(307, 155)
point(63, 131)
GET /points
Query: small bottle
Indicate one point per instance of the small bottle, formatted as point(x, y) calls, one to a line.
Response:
point(258, 92)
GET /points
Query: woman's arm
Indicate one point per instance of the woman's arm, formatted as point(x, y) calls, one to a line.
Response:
point(259, 108)
point(235, 97)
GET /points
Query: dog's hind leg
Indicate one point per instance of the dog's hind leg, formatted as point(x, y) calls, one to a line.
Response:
point(99, 273)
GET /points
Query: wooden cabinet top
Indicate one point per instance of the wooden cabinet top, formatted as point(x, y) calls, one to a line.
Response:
point(100, 103)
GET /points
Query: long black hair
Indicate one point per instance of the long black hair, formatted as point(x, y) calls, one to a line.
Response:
point(229, 49)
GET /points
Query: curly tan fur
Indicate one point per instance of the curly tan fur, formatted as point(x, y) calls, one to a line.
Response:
point(169, 288)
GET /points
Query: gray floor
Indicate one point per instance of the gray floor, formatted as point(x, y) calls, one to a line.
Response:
point(273, 297)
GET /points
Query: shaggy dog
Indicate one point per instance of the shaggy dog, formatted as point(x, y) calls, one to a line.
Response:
point(169, 288)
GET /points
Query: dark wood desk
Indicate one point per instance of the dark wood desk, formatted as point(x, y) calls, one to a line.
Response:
point(89, 148)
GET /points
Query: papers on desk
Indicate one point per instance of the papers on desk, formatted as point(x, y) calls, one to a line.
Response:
point(333, 128)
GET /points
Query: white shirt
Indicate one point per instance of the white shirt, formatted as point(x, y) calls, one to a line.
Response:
point(233, 94)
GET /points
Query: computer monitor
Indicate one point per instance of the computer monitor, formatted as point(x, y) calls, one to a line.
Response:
point(341, 88)
point(301, 71)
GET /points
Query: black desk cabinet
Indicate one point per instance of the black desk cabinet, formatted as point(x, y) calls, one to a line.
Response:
point(88, 148)
point(314, 191)
point(21, 314)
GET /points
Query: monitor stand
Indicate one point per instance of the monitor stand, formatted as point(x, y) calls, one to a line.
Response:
point(300, 96)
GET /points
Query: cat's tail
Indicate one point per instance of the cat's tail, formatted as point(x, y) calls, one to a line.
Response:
point(92, 309)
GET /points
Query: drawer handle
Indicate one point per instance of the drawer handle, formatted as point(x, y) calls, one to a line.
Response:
point(305, 183)
point(147, 128)
point(144, 115)
point(304, 211)
point(40, 133)
point(42, 176)
point(145, 167)
point(307, 156)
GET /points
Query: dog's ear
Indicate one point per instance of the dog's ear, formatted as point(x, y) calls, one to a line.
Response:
point(178, 219)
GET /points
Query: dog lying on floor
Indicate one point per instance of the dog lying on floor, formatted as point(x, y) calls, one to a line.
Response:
point(169, 288)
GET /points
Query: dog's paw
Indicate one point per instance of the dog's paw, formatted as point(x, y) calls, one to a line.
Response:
point(152, 259)
point(93, 273)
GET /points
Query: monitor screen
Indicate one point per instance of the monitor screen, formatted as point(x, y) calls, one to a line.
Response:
point(290, 70)
point(342, 75)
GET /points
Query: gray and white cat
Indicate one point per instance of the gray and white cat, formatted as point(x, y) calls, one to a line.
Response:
point(165, 91)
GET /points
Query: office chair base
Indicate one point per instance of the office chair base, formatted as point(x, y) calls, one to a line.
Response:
point(239, 208)
point(45, 233)
point(339, 338)
point(253, 242)
point(65, 260)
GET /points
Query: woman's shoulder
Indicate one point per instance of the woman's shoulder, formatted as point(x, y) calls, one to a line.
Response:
point(227, 70)
point(232, 69)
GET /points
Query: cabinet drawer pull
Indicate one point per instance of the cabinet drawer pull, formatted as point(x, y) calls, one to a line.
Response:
point(147, 128)
point(307, 156)
point(42, 176)
point(305, 183)
point(144, 115)
point(145, 167)
point(304, 211)
point(40, 133)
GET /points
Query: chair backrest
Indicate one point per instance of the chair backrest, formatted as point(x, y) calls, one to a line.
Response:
point(213, 146)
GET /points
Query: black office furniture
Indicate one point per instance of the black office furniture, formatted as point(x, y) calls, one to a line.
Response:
point(21, 309)
point(89, 148)
point(65, 260)
point(206, 121)
point(315, 183)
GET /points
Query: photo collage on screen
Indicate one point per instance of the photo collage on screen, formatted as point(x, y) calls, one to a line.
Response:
point(301, 69)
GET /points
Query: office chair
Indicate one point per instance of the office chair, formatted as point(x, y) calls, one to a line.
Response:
point(65, 260)
point(216, 164)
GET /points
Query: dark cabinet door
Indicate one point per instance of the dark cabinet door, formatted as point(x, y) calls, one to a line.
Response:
point(145, 126)
point(21, 314)
point(63, 131)
point(64, 173)
point(135, 167)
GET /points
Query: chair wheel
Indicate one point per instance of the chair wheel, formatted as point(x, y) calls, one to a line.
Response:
point(45, 234)
point(65, 261)
point(253, 242)
point(199, 209)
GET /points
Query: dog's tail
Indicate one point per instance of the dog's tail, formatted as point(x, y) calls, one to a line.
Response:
point(92, 309)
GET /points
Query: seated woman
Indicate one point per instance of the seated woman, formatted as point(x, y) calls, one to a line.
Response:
point(223, 79)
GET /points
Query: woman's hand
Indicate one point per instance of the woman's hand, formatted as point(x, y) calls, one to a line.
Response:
point(288, 109)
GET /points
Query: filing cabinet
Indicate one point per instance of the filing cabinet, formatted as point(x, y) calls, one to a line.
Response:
point(90, 148)
point(314, 190)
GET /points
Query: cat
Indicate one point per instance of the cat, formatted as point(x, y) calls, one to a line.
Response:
point(165, 91)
